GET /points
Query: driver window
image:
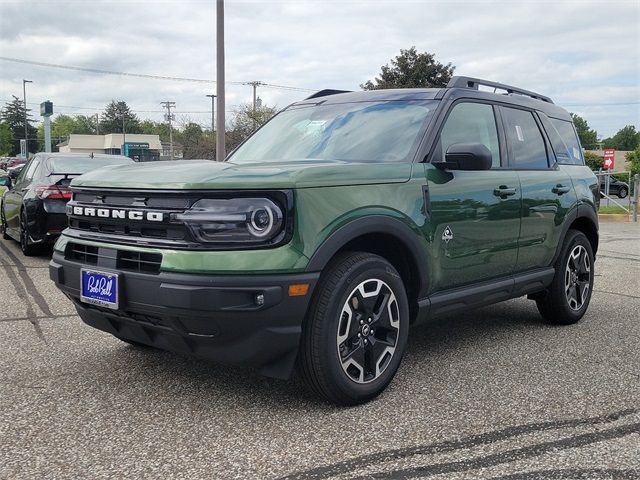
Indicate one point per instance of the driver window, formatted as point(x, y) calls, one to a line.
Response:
point(470, 123)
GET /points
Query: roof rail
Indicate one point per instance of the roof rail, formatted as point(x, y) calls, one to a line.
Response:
point(326, 92)
point(470, 82)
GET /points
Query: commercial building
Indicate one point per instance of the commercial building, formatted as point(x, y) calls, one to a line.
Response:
point(140, 147)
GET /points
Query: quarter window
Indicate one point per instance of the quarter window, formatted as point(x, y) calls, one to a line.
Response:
point(470, 123)
point(527, 148)
point(570, 138)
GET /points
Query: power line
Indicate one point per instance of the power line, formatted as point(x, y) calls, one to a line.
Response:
point(141, 75)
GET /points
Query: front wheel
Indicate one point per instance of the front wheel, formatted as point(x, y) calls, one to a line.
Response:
point(568, 296)
point(3, 224)
point(356, 330)
point(622, 193)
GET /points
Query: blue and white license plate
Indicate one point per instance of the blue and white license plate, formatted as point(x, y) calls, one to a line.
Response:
point(99, 288)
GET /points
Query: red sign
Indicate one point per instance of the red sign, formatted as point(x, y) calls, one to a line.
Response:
point(609, 159)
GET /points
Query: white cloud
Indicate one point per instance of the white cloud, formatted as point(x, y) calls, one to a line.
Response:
point(584, 54)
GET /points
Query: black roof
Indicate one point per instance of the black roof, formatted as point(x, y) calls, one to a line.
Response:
point(458, 87)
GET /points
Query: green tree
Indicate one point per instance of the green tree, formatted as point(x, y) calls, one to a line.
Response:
point(588, 136)
point(593, 160)
point(6, 139)
point(195, 142)
point(245, 122)
point(634, 161)
point(150, 127)
point(111, 119)
point(13, 115)
point(411, 69)
point(626, 139)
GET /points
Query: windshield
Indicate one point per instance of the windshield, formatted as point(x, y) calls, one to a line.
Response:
point(382, 131)
point(83, 164)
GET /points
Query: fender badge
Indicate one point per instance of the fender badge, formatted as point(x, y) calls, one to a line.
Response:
point(447, 235)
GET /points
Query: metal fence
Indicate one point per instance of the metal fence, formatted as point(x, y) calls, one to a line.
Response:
point(619, 189)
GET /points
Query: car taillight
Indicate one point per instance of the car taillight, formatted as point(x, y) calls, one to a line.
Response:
point(53, 192)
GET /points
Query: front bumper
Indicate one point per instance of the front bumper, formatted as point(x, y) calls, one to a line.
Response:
point(214, 317)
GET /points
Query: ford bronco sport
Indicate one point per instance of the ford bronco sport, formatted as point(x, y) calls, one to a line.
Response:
point(345, 219)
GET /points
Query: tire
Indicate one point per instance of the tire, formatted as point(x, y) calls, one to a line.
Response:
point(3, 225)
point(569, 294)
point(622, 193)
point(345, 361)
point(26, 248)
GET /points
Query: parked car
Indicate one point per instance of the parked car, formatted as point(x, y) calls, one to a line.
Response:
point(13, 162)
point(345, 219)
point(15, 170)
point(616, 187)
point(33, 210)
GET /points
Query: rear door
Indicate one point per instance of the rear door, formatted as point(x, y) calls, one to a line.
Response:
point(547, 191)
point(474, 220)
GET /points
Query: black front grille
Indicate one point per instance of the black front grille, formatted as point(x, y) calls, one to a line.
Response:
point(141, 231)
point(142, 262)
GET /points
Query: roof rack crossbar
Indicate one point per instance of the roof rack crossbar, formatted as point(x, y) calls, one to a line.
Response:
point(470, 82)
point(326, 92)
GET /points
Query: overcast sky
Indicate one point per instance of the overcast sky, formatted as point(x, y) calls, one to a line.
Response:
point(585, 55)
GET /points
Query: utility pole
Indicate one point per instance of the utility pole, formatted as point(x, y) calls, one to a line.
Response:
point(255, 84)
point(97, 115)
point(220, 147)
point(26, 125)
point(169, 117)
point(213, 109)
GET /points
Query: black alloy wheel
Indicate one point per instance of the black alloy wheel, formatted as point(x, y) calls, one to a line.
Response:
point(25, 246)
point(356, 329)
point(567, 298)
point(3, 224)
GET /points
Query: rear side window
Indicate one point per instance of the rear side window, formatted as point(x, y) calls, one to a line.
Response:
point(567, 133)
point(526, 144)
point(470, 123)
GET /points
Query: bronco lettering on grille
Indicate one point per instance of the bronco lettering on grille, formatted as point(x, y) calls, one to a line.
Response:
point(117, 213)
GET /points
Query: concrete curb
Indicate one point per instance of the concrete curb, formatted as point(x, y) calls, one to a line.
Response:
point(614, 217)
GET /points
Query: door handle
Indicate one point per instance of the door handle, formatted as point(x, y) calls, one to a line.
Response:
point(560, 189)
point(503, 191)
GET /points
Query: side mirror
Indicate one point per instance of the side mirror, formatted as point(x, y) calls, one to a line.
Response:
point(466, 156)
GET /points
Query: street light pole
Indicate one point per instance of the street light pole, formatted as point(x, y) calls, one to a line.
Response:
point(220, 147)
point(213, 109)
point(26, 125)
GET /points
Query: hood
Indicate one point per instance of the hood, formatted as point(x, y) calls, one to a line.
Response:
point(208, 175)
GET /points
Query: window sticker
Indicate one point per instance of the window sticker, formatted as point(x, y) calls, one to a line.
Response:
point(519, 133)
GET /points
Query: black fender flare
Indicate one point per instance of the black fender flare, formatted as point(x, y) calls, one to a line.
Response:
point(580, 211)
point(375, 224)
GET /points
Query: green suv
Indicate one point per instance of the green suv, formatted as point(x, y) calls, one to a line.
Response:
point(343, 221)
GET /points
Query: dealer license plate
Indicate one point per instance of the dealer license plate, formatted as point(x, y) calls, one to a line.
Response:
point(99, 288)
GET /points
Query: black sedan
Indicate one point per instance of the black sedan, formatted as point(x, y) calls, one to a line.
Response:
point(33, 210)
point(616, 187)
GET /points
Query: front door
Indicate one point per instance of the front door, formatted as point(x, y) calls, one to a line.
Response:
point(475, 215)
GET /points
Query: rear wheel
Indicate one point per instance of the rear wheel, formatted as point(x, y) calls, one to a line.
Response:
point(568, 296)
point(356, 330)
point(622, 193)
point(25, 246)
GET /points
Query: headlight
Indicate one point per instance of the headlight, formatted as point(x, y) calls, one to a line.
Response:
point(243, 221)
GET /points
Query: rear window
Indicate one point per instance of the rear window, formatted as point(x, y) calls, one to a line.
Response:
point(79, 165)
point(564, 140)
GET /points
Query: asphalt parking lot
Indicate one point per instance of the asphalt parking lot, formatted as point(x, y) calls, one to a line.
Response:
point(493, 393)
